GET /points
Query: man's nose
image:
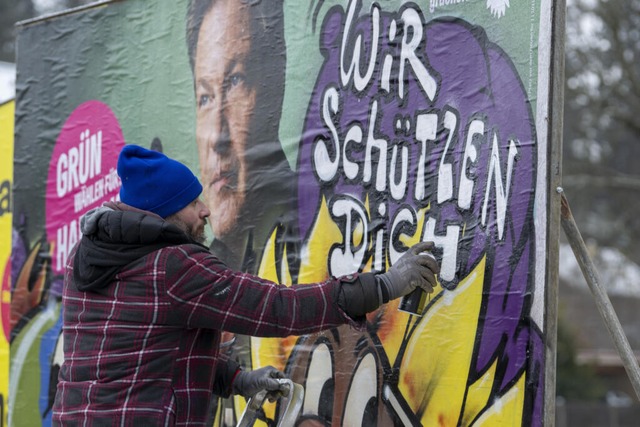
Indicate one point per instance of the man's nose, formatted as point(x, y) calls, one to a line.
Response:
point(220, 143)
point(205, 212)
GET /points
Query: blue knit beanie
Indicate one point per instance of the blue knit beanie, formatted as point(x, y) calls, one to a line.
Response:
point(153, 182)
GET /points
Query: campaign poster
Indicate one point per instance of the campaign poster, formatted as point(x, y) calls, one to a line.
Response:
point(6, 179)
point(329, 137)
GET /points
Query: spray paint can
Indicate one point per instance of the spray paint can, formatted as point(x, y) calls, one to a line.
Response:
point(415, 302)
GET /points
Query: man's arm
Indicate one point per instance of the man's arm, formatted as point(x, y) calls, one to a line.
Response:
point(207, 294)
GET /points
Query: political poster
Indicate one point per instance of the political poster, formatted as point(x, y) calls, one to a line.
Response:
point(6, 179)
point(329, 138)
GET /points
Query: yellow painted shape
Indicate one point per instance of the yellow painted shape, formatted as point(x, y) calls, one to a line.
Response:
point(478, 395)
point(434, 371)
point(268, 269)
point(507, 410)
point(393, 322)
point(285, 271)
point(270, 351)
point(324, 234)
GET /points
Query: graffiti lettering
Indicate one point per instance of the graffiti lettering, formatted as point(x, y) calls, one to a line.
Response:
point(445, 171)
point(395, 152)
point(343, 258)
point(351, 215)
point(326, 169)
point(395, 171)
point(413, 28)
point(353, 70)
point(500, 189)
point(474, 137)
point(80, 163)
point(412, 38)
point(5, 197)
point(381, 145)
point(404, 222)
point(448, 243)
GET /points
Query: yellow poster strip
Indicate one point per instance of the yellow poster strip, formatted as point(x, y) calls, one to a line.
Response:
point(6, 179)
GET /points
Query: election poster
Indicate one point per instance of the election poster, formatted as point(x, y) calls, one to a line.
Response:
point(329, 137)
point(6, 178)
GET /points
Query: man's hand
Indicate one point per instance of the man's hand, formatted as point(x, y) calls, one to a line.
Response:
point(413, 270)
point(248, 383)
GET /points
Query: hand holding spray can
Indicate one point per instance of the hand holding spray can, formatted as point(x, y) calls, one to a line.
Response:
point(416, 301)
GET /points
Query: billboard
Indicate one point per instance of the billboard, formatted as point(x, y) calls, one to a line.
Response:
point(329, 137)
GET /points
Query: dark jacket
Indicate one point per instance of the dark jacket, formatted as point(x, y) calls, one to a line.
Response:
point(144, 308)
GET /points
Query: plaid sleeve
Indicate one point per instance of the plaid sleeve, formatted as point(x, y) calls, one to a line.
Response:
point(206, 294)
point(225, 373)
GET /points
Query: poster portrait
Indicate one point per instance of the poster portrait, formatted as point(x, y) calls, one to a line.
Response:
point(329, 137)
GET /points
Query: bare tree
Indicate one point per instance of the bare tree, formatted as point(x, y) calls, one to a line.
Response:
point(12, 11)
point(602, 133)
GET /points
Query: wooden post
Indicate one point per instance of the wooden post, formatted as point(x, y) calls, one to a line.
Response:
point(600, 295)
point(550, 127)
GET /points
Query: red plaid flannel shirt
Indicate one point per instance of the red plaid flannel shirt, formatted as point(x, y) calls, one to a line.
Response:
point(144, 349)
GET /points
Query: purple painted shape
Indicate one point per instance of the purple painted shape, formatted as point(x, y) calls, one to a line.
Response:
point(476, 79)
point(18, 254)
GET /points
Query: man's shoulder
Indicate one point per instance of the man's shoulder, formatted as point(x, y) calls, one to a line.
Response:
point(187, 248)
point(177, 256)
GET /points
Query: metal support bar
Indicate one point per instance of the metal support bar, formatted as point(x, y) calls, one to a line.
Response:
point(600, 294)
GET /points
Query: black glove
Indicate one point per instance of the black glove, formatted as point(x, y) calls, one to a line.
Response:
point(248, 383)
point(413, 270)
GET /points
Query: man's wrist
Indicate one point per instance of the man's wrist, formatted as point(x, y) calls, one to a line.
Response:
point(383, 288)
point(358, 294)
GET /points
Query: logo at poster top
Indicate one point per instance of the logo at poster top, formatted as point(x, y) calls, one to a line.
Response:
point(82, 174)
point(498, 7)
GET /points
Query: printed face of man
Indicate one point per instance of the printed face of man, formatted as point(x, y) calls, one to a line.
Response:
point(225, 100)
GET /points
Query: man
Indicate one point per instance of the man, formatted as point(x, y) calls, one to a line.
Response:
point(145, 304)
point(237, 54)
